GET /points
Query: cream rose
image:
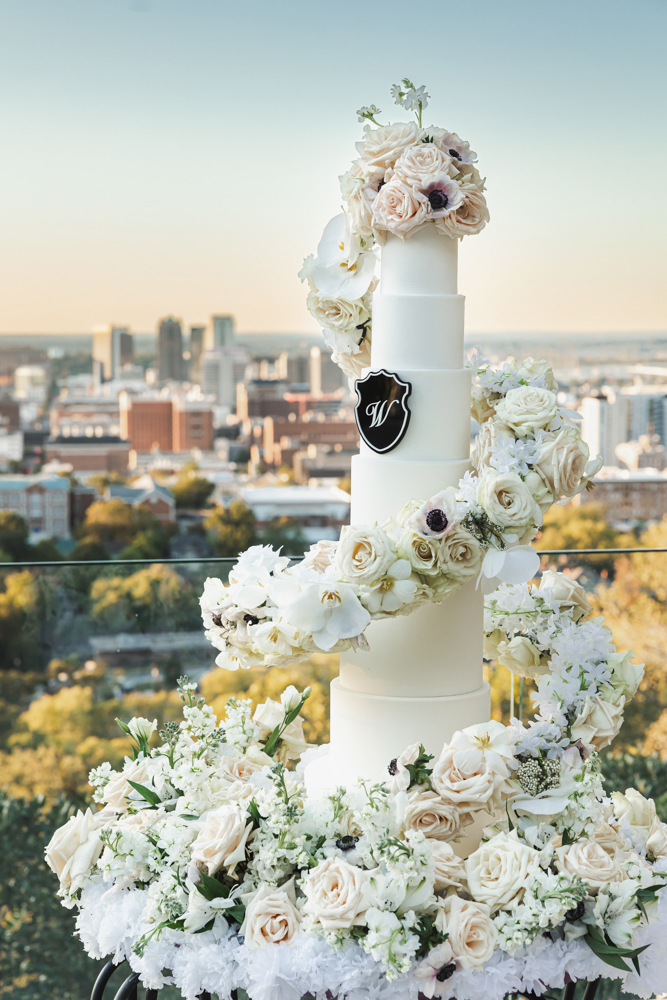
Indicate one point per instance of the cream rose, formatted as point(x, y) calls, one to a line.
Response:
point(381, 147)
point(460, 554)
point(507, 500)
point(598, 722)
point(352, 363)
point(499, 870)
point(522, 657)
point(222, 839)
point(637, 810)
point(561, 462)
point(467, 790)
point(239, 769)
point(527, 408)
point(364, 554)
point(433, 816)
point(490, 434)
point(321, 555)
point(470, 217)
point(271, 917)
point(609, 838)
point(118, 789)
point(625, 676)
point(589, 861)
point(292, 742)
point(422, 553)
point(417, 162)
point(75, 847)
point(334, 894)
point(532, 368)
point(567, 592)
point(472, 933)
point(449, 868)
point(337, 314)
point(656, 841)
point(399, 209)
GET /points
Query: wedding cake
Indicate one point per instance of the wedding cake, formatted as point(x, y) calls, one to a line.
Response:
point(421, 679)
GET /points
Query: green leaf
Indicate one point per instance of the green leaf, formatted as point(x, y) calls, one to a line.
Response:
point(253, 812)
point(187, 816)
point(151, 797)
point(236, 912)
point(610, 953)
point(210, 888)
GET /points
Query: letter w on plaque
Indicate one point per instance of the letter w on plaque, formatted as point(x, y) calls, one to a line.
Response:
point(382, 410)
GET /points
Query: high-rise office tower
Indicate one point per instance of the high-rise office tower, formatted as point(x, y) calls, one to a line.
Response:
point(219, 332)
point(170, 350)
point(112, 347)
point(195, 347)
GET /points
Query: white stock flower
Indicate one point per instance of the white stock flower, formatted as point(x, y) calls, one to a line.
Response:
point(590, 862)
point(527, 408)
point(561, 462)
point(399, 209)
point(395, 590)
point(75, 847)
point(329, 611)
point(334, 893)
point(381, 147)
point(507, 500)
point(598, 722)
point(364, 553)
point(271, 917)
point(471, 932)
point(499, 870)
point(142, 728)
point(221, 842)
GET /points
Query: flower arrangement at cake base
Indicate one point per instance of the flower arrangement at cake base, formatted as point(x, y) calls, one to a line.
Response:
point(529, 455)
point(208, 866)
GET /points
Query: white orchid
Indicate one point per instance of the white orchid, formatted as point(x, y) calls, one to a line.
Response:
point(341, 268)
point(395, 590)
point(488, 742)
point(329, 611)
point(273, 636)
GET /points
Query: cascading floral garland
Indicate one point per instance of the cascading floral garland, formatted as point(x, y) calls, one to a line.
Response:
point(406, 176)
point(208, 865)
point(529, 454)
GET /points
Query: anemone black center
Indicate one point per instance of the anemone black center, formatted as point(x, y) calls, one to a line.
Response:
point(438, 200)
point(251, 620)
point(455, 154)
point(437, 520)
point(392, 767)
point(217, 620)
point(346, 843)
point(446, 972)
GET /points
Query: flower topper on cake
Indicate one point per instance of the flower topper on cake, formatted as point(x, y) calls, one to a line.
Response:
point(406, 176)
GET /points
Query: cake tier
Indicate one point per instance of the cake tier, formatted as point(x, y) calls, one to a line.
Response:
point(417, 331)
point(381, 485)
point(369, 730)
point(424, 264)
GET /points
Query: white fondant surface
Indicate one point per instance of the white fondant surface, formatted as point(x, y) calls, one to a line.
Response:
point(381, 484)
point(424, 264)
point(417, 331)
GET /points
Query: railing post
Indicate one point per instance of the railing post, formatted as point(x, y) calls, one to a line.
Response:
point(128, 990)
point(102, 980)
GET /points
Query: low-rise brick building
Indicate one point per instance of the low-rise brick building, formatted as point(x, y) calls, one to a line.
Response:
point(42, 500)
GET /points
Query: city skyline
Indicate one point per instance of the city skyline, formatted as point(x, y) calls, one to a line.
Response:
point(163, 158)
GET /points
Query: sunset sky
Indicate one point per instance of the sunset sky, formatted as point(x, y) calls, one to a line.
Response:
point(181, 156)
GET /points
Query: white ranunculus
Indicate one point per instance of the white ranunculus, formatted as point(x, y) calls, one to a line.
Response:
point(381, 147)
point(561, 462)
point(329, 611)
point(222, 840)
point(625, 677)
point(507, 500)
point(527, 408)
point(522, 657)
point(271, 917)
point(499, 870)
point(334, 893)
point(532, 368)
point(399, 209)
point(460, 554)
point(470, 217)
point(337, 314)
point(449, 867)
point(471, 932)
point(422, 553)
point(598, 722)
point(417, 162)
point(75, 847)
point(589, 861)
point(118, 790)
point(566, 591)
point(637, 810)
point(142, 728)
point(364, 554)
point(395, 590)
point(433, 816)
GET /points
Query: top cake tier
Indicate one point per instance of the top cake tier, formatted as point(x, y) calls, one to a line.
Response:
point(425, 264)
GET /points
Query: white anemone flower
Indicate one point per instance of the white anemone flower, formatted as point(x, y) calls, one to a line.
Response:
point(488, 742)
point(273, 636)
point(341, 269)
point(329, 611)
point(395, 590)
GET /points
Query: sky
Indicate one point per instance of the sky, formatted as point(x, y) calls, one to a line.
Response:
point(181, 156)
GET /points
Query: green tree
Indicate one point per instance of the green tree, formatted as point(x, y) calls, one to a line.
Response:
point(232, 528)
point(192, 491)
point(19, 606)
point(284, 533)
point(153, 597)
point(46, 550)
point(14, 536)
point(580, 527)
point(152, 544)
point(114, 522)
point(89, 549)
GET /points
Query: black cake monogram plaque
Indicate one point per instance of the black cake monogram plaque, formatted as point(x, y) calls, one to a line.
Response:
point(382, 410)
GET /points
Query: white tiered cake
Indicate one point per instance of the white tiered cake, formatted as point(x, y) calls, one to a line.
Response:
point(422, 678)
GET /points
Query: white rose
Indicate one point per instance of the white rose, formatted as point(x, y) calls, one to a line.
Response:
point(271, 917)
point(399, 209)
point(598, 722)
point(561, 462)
point(470, 217)
point(491, 642)
point(540, 493)
point(490, 434)
point(609, 838)
point(639, 811)
point(364, 554)
point(337, 314)
point(472, 933)
point(527, 408)
point(75, 847)
point(460, 554)
point(222, 839)
point(422, 553)
point(142, 728)
point(507, 500)
point(118, 789)
point(567, 592)
point(656, 841)
point(433, 816)
point(499, 870)
point(321, 555)
point(449, 868)
point(334, 894)
point(417, 162)
point(238, 769)
point(625, 677)
point(589, 861)
point(522, 657)
point(359, 191)
point(292, 742)
point(381, 147)
point(534, 369)
point(467, 790)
